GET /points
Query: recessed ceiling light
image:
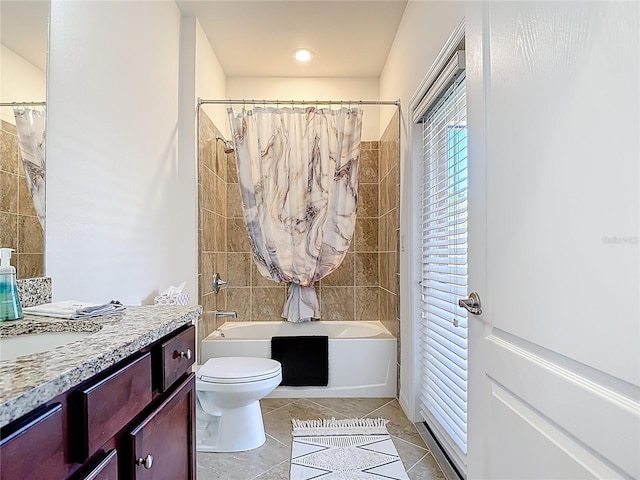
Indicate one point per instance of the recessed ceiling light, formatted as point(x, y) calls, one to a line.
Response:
point(303, 55)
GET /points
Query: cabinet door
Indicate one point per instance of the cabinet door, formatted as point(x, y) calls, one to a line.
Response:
point(32, 448)
point(162, 446)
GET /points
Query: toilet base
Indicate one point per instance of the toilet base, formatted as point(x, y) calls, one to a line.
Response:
point(230, 429)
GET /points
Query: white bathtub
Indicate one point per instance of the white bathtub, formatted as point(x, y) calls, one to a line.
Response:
point(362, 355)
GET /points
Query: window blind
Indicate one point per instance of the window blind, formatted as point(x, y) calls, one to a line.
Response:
point(443, 225)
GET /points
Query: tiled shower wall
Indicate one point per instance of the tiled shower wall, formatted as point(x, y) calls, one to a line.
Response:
point(19, 225)
point(364, 287)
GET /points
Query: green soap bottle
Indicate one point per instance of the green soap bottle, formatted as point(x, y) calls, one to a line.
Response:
point(10, 308)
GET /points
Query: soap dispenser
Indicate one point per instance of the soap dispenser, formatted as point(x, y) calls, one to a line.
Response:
point(10, 308)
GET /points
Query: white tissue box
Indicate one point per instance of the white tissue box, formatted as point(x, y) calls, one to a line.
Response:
point(175, 299)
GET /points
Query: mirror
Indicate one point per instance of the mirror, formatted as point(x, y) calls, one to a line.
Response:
point(23, 61)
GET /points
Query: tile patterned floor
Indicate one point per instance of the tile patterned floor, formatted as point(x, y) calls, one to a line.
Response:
point(271, 461)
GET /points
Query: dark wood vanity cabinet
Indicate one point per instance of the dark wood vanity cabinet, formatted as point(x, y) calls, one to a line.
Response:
point(135, 420)
point(33, 448)
point(162, 445)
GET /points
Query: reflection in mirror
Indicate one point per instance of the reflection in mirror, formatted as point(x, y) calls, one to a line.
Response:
point(23, 60)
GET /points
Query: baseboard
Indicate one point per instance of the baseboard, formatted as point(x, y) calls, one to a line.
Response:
point(441, 458)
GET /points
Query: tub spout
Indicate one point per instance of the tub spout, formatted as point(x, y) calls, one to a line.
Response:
point(230, 313)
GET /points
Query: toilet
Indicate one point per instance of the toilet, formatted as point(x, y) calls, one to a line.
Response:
point(228, 391)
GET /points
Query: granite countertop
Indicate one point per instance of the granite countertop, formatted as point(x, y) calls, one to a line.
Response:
point(31, 380)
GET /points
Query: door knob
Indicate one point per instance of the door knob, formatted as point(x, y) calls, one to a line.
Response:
point(188, 354)
point(146, 462)
point(471, 304)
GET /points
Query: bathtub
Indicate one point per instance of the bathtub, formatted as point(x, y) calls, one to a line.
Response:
point(362, 355)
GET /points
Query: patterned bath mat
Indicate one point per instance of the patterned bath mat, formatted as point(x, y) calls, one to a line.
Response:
point(356, 449)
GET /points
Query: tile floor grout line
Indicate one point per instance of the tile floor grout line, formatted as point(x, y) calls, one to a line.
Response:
point(421, 458)
point(423, 447)
point(337, 414)
point(270, 468)
point(277, 408)
point(274, 438)
point(382, 406)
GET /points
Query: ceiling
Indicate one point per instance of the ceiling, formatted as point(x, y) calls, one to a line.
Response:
point(257, 38)
point(24, 29)
point(349, 38)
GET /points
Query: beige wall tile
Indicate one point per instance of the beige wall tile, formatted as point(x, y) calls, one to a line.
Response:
point(232, 169)
point(8, 127)
point(367, 303)
point(221, 265)
point(9, 158)
point(392, 277)
point(234, 202)
point(384, 270)
point(368, 200)
point(219, 197)
point(343, 275)
point(207, 271)
point(209, 302)
point(389, 192)
point(267, 303)
point(366, 235)
point(30, 235)
point(221, 161)
point(366, 269)
point(8, 192)
point(221, 304)
point(239, 269)
point(369, 166)
point(239, 300)
point(208, 233)
point(257, 280)
point(29, 265)
point(337, 303)
point(207, 180)
point(237, 239)
point(220, 233)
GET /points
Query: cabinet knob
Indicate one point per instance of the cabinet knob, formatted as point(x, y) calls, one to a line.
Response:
point(146, 462)
point(188, 354)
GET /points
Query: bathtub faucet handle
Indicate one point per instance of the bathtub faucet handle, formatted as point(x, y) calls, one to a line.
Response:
point(230, 313)
point(218, 283)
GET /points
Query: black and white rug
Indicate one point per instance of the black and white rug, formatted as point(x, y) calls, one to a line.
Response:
point(352, 449)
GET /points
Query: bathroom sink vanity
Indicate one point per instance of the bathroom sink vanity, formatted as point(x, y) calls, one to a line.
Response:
point(119, 403)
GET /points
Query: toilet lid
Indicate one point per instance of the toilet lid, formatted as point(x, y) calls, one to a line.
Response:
point(238, 369)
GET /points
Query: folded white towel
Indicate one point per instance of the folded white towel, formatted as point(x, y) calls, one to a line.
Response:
point(72, 309)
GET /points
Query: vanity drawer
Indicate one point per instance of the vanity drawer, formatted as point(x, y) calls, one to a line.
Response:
point(32, 448)
point(106, 468)
point(108, 404)
point(176, 355)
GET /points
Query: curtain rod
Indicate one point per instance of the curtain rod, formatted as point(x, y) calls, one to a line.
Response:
point(22, 104)
point(299, 102)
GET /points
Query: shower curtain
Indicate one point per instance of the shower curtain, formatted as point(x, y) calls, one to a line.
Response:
point(30, 125)
point(298, 176)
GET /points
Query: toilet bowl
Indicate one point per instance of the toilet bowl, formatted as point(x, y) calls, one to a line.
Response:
point(228, 391)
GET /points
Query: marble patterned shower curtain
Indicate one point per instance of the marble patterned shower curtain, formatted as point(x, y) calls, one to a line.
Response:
point(30, 126)
point(298, 176)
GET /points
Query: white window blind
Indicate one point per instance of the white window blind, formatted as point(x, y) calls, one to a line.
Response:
point(443, 395)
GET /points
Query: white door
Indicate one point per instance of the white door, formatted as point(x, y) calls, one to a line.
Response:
point(553, 112)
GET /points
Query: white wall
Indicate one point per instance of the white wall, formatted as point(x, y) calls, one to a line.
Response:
point(289, 88)
point(20, 81)
point(121, 202)
point(423, 31)
point(210, 80)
